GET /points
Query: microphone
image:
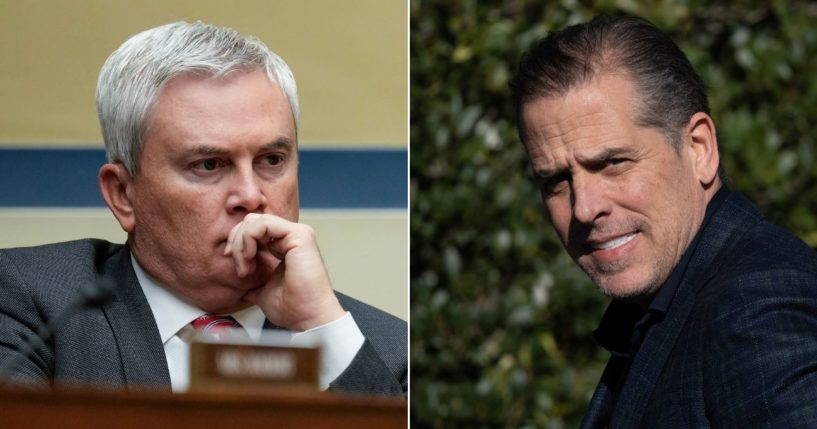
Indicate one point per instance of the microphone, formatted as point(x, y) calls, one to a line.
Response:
point(91, 295)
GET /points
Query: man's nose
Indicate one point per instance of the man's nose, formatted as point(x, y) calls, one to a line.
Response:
point(246, 192)
point(590, 201)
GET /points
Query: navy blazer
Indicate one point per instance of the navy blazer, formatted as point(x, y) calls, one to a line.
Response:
point(119, 344)
point(738, 345)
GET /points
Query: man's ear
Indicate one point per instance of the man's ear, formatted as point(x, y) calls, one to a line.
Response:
point(702, 142)
point(116, 185)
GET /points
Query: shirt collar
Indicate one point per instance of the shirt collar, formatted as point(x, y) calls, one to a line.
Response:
point(172, 313)
point(617, 331)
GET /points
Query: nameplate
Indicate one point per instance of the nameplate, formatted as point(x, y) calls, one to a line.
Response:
point(228, 364)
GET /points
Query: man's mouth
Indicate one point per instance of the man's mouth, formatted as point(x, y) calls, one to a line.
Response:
point(612, 244)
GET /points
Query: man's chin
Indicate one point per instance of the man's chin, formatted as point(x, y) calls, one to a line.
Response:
point(625, 288)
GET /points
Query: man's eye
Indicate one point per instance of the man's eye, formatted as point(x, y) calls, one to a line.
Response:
point(555, 184)
point(274, 159)
point(616, 161)
point(207, 165)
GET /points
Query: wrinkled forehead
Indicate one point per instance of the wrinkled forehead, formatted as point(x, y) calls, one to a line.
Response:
point(603, 89)
point(579, 133)
point(184, 87)
point(601, 109)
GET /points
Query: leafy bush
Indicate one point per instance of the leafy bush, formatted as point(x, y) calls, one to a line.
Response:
point(501, 318)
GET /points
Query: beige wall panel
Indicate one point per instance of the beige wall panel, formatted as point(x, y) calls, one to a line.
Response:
point(349, 57)
point(366, 252)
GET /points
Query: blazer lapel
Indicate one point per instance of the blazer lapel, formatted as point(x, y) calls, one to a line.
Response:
point(650, 360)
point(140, 347)
point(601, 404)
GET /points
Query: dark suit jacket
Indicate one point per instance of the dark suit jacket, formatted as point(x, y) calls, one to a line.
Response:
point(738, 346)
point(118, 345)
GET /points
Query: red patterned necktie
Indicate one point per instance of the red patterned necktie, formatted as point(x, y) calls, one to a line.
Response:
point(214, 324)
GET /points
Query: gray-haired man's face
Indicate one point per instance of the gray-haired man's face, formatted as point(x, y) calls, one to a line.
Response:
point(216, 150)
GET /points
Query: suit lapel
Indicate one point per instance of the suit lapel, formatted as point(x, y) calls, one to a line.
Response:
point(140, 347)
point(650, 360)
point(601, 404)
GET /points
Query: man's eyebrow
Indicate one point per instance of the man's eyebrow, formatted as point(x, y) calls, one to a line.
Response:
point(605, 155)
point(277, 144)
point(208, 150)
point(594, 159)
point(545, 174)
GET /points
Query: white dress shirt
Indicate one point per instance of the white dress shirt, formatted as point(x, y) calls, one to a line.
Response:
point(340, 340)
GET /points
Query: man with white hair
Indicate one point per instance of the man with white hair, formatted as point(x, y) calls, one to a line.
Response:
point(200, 129)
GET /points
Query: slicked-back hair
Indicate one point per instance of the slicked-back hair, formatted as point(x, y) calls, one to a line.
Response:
point(133, 76)
point(668, 88)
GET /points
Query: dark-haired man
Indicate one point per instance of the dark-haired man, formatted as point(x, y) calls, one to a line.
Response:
point(713, 321)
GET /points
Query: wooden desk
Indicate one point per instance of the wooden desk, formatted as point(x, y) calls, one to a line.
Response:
point(96, 409)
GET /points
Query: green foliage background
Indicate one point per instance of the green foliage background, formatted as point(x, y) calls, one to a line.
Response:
point(501, 319)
